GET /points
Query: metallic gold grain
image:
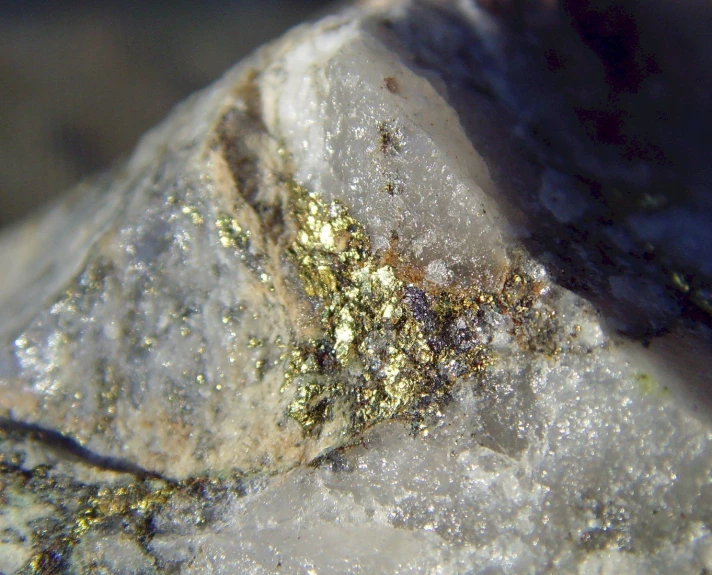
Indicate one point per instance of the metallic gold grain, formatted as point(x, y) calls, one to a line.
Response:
point(377, 359)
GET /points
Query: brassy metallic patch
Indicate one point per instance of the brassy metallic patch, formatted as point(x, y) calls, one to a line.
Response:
point(392, 347)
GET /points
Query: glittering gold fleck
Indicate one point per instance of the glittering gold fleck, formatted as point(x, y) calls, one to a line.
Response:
point(694, 289)
point(132, 504)
point(231, 233)
point(80, 508)
point(259, 367)
point(680, 282)
point(390, 349)
point(195, 216)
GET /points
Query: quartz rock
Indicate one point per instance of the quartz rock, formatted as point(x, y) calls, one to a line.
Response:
point(332, 317)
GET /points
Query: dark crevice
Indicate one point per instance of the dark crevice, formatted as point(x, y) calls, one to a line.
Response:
point(71, 449)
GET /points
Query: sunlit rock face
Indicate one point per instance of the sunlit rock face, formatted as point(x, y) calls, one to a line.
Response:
point(332, 317)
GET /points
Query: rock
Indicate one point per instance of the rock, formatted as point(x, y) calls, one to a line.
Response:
point(333, 316)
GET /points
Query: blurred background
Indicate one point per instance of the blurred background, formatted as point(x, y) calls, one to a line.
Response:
point(81, 81)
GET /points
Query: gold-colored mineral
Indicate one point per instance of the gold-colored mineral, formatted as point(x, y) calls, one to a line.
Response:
point(391, 345)
point(231, 233)
point(390, 348)
point(79, 508)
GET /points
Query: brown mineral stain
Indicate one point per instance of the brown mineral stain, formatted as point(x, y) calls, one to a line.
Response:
point(392, 85)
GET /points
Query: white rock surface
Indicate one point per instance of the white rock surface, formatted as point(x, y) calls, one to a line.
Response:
point(395, 155)
point(339, 235)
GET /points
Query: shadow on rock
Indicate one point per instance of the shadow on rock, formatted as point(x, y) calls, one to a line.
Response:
point(598, 139)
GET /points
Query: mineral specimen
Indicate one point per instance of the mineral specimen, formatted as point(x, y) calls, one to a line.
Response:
point(332, 317)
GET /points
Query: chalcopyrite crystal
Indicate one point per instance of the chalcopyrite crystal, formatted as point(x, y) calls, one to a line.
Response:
point(333, 316)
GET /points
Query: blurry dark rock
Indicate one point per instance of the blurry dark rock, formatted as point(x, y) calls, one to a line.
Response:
point(81, 81)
